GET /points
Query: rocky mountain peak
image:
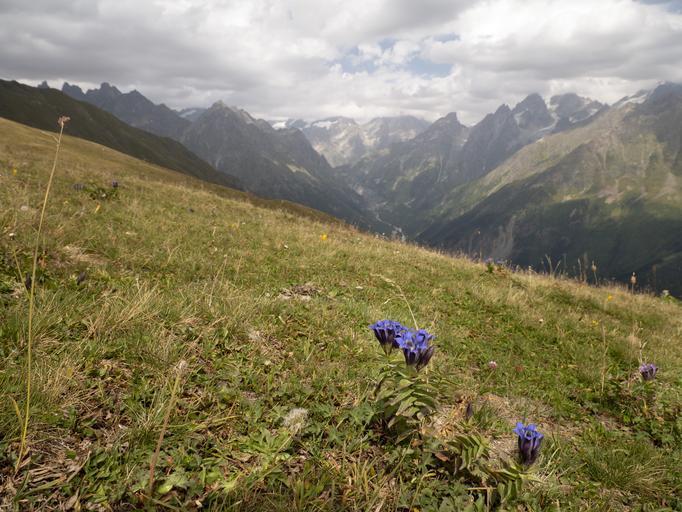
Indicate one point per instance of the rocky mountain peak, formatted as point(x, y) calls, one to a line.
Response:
point(106, 90)
point(501, 112)
point(532, 113)
point(74, 91)
point(451, 119)
point(570, 105)
point(444, 129)
point(106, 86)
point(664, 92)
point(231, 111)
point(218, 105)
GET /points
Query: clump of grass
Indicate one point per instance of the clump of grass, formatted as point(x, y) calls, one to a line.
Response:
point(31, 285)
point(620, 463)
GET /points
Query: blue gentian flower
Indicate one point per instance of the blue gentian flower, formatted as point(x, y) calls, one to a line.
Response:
point(387, 331)
point(530, 441)
point(648, 371)
point(416, 347)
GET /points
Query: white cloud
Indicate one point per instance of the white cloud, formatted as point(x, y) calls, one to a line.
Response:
point(311, 59)
point(605, 49)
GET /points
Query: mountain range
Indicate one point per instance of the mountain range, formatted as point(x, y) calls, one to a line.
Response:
point(566, 182)
point(609, 192)
point(343, 141)
point(276, 164)
point(408, 183)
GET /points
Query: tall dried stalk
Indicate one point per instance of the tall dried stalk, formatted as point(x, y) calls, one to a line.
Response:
point(31, 296)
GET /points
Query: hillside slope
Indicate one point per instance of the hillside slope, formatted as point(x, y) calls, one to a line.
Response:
point(269, 309)
point(39, 107)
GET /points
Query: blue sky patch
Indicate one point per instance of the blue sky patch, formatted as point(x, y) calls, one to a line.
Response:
point(425, 67)
point(446, 38)
point(671, 5)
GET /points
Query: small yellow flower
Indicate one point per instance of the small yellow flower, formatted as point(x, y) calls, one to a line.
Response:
point(14, 171)
point(323, 236)
point(595, 322)
point(610, 297)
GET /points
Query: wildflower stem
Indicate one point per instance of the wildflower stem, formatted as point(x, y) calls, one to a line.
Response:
point(402, 296)
point(604, 355)
point(31, 303)
point(164, 427)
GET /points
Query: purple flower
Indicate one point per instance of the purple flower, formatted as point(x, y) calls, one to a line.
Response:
point(416, 347)
point(648, 371)
point(530, 441)
point(386, 332)
point(81, 277)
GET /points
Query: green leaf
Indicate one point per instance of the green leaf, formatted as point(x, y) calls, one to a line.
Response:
point(405, 405)
point(402, 397)
point(409, 413)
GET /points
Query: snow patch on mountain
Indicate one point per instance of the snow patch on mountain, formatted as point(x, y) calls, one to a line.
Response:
point(325, 125)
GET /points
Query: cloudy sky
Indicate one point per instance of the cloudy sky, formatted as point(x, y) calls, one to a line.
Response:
point(359, 58)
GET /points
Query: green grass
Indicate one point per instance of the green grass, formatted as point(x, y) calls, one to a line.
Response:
point(270, 317)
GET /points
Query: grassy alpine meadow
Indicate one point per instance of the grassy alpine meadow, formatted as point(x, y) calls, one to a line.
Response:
point(195, 348)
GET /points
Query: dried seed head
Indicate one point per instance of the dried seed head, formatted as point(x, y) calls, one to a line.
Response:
point(295, 420)
point(63, 120)
point(181, 366)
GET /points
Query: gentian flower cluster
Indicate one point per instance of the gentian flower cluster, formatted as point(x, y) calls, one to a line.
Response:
point(386, 331)
point(530, 441)
point(416, 345)
point(648, 371)
point(416, 348)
